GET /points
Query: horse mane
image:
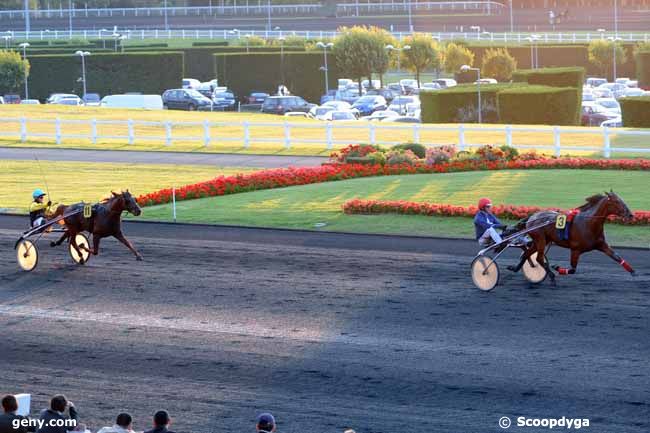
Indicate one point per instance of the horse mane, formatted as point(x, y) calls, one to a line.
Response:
point(592, 201)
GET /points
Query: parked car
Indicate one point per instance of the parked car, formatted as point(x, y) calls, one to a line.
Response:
point(616, 88)
point(69, 100)
point(600, 92)
point(588, 97)
point(334, 116)
point(190, 83)
point(399, 104)
point(319, 113)
point(2, 100)
point(296, 114)
point(486, 81)
point(30, 102)
point(12, 99)
point(56, 96)
point(282, 104)
point(92, 99)
point(224, 101)
point(149, 102)
point(595, 82)
point(396, 88)
point(632, 84)
point(329, 96)
point(339, 105)
point(594, 114)
point(380, 115)
point(623, 80)
point(610, 104)
point(367, 105)
point(633, 91)
point(349, 95)
point(205, 89)
point(402, 119)
point(387, 94)
point(431, 86)
point(374, 84)
point(257, 98)
point(616, 122)
point(409, 84)
point(343, 83)
point(185, 99)
point(446, 82)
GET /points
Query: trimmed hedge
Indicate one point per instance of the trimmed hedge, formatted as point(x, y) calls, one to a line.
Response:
point(210, 44)
point(149, 73)
point(538, 105)
point(456, 104)
point(244, 73)
point(643, 69)
point(636, 111)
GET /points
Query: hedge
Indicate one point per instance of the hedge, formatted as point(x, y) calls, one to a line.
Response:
point(106, 73)
point(244, 73)
point(538, 105)
point(636, 111)
point(210, 44)
point(456, 104)
point(643, 69)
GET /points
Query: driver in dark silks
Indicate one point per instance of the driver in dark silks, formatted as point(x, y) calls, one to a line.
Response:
point(38, 209)
point(486, 224)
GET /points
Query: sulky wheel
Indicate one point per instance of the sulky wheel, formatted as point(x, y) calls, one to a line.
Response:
point(84, 245)
point(27, 255)
point(485, 273)
point(533, 271)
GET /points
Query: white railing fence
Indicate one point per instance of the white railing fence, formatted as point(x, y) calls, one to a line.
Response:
point(322, 136)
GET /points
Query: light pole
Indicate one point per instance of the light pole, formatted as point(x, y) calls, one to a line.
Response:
point(512, 19)
point(24, 46)
point(70, 17)
point(324, 47)
point(410, 16)
point(614, 41)
point(602, 33)
point(466, 68)
point(7, 38)
point(27, 23)
point(247, 37)
point(165, 13)
point(268, 17)
point(83, 55)
point(616, 18)
point(282, 39)
point(116, 37)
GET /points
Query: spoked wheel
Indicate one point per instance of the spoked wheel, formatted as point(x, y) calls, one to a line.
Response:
point(27, 255)
point(533, 271)
point(485, 273)
point(83, 244)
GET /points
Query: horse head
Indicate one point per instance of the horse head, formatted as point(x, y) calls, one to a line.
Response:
point(616, 206)
point(128, 202)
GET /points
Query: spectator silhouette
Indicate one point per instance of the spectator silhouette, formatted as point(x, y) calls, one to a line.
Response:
point(265, 423)
point(56, 412)
point(7, 419)
point(161, 422)
point(122, 424)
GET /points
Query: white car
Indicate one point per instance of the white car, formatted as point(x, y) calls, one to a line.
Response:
point(595, 82)
point(400, 103)
point(616, 88)
point(339, 105)
point(431, 86)
point(602, 93)
point(380, 115)
point(613, 123)
point(334, 116)
point(69, 100)
point(296, 114)
point(623, 81)
point(634, 91)
point(56, 96)
point(344, 83)
point(446, 82)
point(375, 84)
point(148, 102)
point(486, 81)
point(319, 113)
point(30, 101)
point(610, 104)
point(191, 83)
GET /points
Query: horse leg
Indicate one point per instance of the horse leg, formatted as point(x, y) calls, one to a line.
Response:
point(541, 258)
point(527, 253)
point(96, 240)
point(605, 248)
point(575, 256)
point(120, 237)
point(61, 239)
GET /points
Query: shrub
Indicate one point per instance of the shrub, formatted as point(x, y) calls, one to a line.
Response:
point(555, 77)
point(456, 56)
point(643, 68)
point(491, 153)
point(399, 157)
point(440, 154)
point(601, 55)
point(538, 105)
point(510, 152)
point(355, 151)
point(636, 111)
point(12, 71)
point(419, 149)
point(424, 53)
point(498, 64)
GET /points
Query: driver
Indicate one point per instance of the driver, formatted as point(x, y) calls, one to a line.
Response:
point(38, 209)
point(486, 223)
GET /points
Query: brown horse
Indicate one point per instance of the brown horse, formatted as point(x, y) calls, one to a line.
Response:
point(586, 233)
point(106, 220)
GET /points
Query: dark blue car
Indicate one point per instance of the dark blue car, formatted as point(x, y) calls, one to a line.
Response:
point(366, 105)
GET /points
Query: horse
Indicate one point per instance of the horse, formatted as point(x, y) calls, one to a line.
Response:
point(105, 221)
point(586, 233)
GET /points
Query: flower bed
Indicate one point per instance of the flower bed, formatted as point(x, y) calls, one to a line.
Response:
point(279, 178)
point(375, 207)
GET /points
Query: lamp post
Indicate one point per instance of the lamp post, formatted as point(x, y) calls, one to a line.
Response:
point(614, 41)
point(268, 17)
point(101, 36)
point(616, 18)
point(7, 38)
point(602, 33)
point(410, 16)
point(466, 68)
point(24, 46)
point(282, 39)
point(165, 13)
point(83, 55)
point(247, 37)
point(399, 52)
point(512, 19)
point(325, 47)
point(27, 23)
point(477, 29)
point(70, 17)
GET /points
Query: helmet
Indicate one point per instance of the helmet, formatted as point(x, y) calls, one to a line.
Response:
point(484, 202)
point(38, 193)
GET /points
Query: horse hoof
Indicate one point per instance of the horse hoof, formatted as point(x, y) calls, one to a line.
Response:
point(139, 258)
point(512, 268)
point(52, 244)
point(633, 273)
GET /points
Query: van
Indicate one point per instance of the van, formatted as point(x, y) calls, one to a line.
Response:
point(150, 102)
point(446, 82)
point(191, 83)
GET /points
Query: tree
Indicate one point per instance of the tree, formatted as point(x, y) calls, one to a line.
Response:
point(12, 71)
point(424, 53)
point(498, 64)
point(356, 52)
point(381, 58)
point(601, 55)
point(456, 56)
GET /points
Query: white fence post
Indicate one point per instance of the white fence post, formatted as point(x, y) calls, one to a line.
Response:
point(607, 150)
point(57, 130)
point(556, 141)
point(23, 129)
point(287, 135)
point(371, 132)
point(416, 133)
point(93, 131)
point(461, 137)
point(206, 133)
point(328, 132)
point(131, 131)
point(509, 135)
point(247, 135)
point(168, 133)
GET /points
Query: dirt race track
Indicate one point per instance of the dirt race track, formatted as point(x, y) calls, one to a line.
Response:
point(325, 331)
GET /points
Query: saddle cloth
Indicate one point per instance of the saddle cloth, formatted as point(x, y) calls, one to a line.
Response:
point(563, 224)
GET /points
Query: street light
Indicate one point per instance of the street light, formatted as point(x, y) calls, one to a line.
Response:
point(410, 16)
point(7, 38)
point(614, 41)
point(282, 39)
point(512, 19)
point(616, 18)
point(324, 47)
point(534, 61)
point(83, 55)
point(467, 68)
point(399, 52)
point(101, 36)
point(27, 23)
point(602, 33)
point(24, 46)
point(70, 17)
point(247, 42)
point(165, 13)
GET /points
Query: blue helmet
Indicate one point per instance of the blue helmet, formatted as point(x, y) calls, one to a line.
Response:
point(38, 193)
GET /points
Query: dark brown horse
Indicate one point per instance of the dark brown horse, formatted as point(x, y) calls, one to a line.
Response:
point(106, 220)
point(586, 232)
